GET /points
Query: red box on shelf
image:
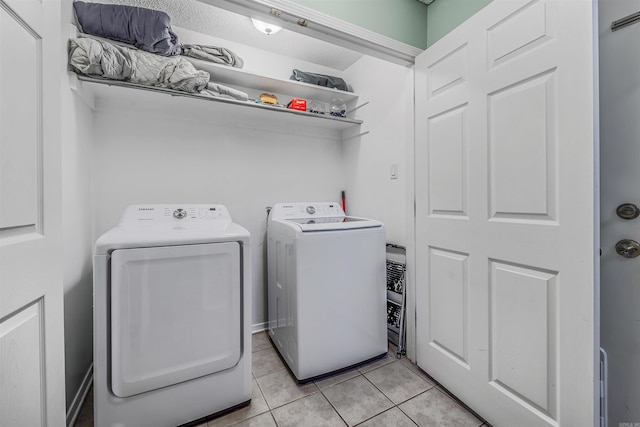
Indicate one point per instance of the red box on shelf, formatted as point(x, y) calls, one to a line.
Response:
point(298, 104)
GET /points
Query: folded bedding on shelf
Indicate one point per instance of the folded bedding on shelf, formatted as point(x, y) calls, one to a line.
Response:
point(320, 80)
point(102, 59)
point(217, 55)
point(146, 29)
point(218, 90)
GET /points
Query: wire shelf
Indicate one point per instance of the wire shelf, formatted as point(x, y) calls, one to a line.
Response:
point(396, 281)
point(395, 276)
point(393, 314)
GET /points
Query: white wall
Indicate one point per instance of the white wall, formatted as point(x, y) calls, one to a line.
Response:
point(77, 228)
point(78, 242)
point(170, 157)
point(143, 158)
point(368, 159)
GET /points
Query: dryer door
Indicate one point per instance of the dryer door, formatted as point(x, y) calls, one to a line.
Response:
point(175, 314)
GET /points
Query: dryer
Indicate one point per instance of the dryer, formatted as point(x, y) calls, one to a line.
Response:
point(326, 288)
point(172, 342)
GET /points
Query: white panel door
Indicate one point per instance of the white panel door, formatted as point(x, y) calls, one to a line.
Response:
point(505, 213)
point(620, 166)
point(31, 290)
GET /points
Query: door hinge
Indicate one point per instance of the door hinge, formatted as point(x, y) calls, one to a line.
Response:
point(603, 388)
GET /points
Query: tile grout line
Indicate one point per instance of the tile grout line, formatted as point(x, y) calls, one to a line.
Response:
point(273, 418)
point(433, 385)
point(447, 393)
point(385, 395)
point(376, 387)
point(331, 404)
point(397, 405)
point(394, 405)
point(361, 374)
point(407, 415)
point(268, 373)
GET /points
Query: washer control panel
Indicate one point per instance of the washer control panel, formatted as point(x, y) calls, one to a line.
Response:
point(186, 216)
point(301, 210)
point(179, 213)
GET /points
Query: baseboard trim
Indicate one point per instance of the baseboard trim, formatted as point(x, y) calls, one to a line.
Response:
point(259, 327)
point(81, 395)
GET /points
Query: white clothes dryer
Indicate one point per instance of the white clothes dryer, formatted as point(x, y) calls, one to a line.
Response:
point(326, 288)
point(172, 341)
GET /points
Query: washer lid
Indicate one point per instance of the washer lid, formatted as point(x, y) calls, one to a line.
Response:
point(328, 224)
point(318, 216)
point(303, 210)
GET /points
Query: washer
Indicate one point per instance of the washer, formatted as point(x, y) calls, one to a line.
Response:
point(172, 342)
point(326, 283)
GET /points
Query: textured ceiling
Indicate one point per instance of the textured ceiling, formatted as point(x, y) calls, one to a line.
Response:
point(200, 17)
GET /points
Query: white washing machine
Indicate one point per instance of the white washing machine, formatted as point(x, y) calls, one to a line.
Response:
point(172, 342)
point(326, 288)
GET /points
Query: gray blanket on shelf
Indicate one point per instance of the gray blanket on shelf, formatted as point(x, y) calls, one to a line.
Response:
point(320, 80)
point(218, 90)
point(146, 29)
point(218, 55)
point(102, 59)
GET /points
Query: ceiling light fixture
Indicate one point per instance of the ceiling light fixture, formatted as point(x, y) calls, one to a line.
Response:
point(265, 27)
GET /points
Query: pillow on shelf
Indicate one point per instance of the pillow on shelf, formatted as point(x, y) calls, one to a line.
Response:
point(146, 29)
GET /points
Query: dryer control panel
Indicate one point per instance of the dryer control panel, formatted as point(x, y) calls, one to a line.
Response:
point(301, 210)
point(185, 216)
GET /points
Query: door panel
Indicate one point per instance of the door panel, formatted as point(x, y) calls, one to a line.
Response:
point(505, 218)
point(519, 33)
point(21, 130)
point(31, 289)
point(449, 275)
point(21, 356)
point(448, 176)
point(522, 150)
point(523, 334)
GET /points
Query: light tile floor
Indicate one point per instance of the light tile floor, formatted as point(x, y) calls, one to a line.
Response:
point(386, 392)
